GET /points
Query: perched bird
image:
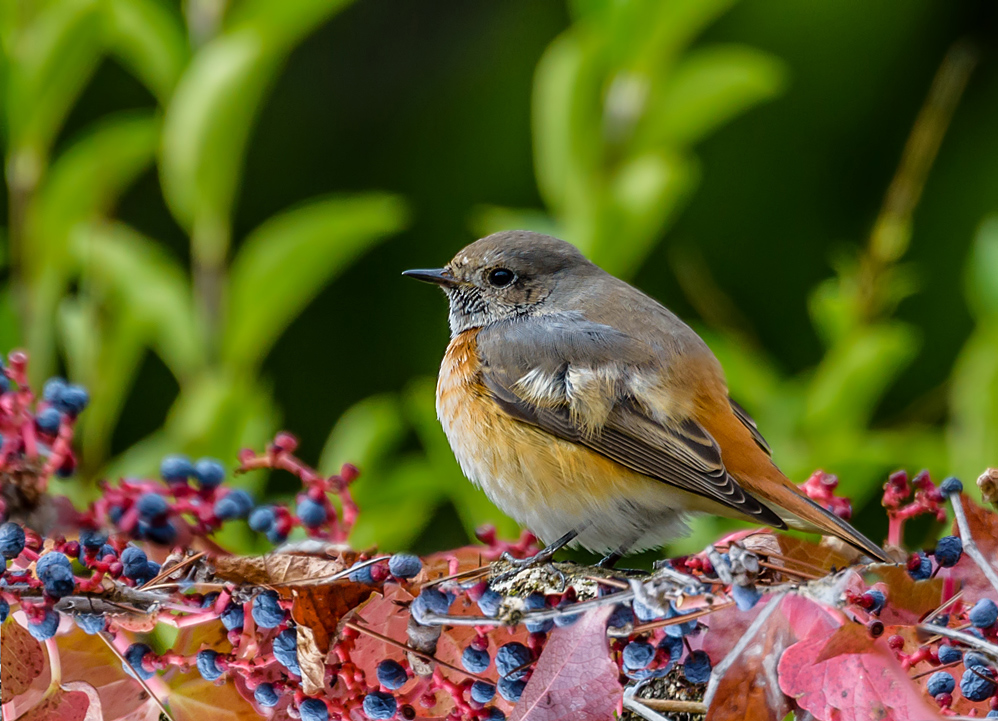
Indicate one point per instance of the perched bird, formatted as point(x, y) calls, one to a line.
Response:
point(590, 413)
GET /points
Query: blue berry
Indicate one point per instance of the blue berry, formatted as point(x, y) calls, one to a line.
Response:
point(313, 709)
point(951, 485)
point(644, 612)
point(679, 629)
point(235, 504)
point(262, 519)
point(90, 623)
point(923, 570)
point(276, 536)
point(621, 616)
point(48, 421)
point(52, 559)
point(638, 655)
point(267, 613)
point(105, 551)
point(391, 675)
point(4, 382)
point(378, 705)
point(46, 628)
point(566, 620)
point(513, 656)
point(362, 575)
point(949, 654)
point(162, 533)
point(535, 602)
point(674, 646)
point(311, 513)
point(940, 682)
point(208, 665)
point(233, 617)
point(745, 597)
point(475, 660)
point(404, 565)
point(53, 389)
point(511, 689)
point(11, 540)
point(209, 472)
point(134, 655)
point(4, 609)
point(92, 539)
point(152, 570)
point(482, 692)
point(948, 551)
point(983, 614)
point(59, 580)
point(430, 600)
point(975, 686)
point(495, 715)
point(993, 713)
point(490, 603)
point(135, 562)
point(286, 650)
point(72, 399)
point(973, 660)
point(176, 468)
point(265, 695)
point(697, 667)
point(152, 505)
point(114, 513)
point(875, 599)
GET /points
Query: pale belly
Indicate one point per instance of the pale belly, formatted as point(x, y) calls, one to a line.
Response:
point(549, 485)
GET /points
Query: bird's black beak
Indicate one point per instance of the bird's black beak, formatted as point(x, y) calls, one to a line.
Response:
point(438, 276)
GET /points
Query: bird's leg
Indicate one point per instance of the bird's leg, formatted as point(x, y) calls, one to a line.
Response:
point(610, 560)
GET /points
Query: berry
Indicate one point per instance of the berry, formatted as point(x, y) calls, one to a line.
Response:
point(92, 540)
point(267, 613)
point(490, 603)
point(992, 714)
point(475, 660)
point(135, 562)
point(621, 616)
point(175, 468)
point(262, 519)
point(745, 597)
point(276, 536)
point(940, 682)
point(984, 613)
point(951, 485)
point(58, 580)
point(90, 623)
point(313, 709)
point(874, 600)
point(46, 628)
point(152, 505)
point(482, 692)
point(919, 567)
point(286, 650)
point(209, 472)
point(430, 600)
point(679, 629)
point(644, 612)
point(511, 689)
point(975, 660)
point(391, 675)
point(52, 559)
point(638, 655)
point(11, 540)
point(208, 665)
point(404, 565)
point(513, 656)
point(134, 655)
point(567, 620)
point(265, 695)
point(949, 654)
point(233, 617)
point(235, 504)
point(535, 602)
point(162, 533)
point(48, 421)
point(53, 389)
point(674, 646)
point(4, 609)
point(362, 575)
point(495, 715)
point(378, 705)
point(975, 686)
point(697, 667)
point(311, 513)
point(72, 399)
point(948, 551)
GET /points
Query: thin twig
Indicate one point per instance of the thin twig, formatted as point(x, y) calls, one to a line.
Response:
point(333, 577)
point(790, 571)
point(674, 705)
point(136, 673)
point(965, 638)
point(676, 620)
point(969, 546)
point(410, 649)
point(936, 668)
point(722, 668)
point(157, 582)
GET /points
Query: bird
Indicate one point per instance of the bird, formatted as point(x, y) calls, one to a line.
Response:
point(591, 414)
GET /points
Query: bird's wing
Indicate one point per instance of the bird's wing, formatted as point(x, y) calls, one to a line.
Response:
point(747, 420)
point(559, 372)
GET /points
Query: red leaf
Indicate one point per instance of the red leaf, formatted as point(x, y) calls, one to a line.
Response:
point(575, 678)
point(22, 660)
point(984, 530)
point(869, 686)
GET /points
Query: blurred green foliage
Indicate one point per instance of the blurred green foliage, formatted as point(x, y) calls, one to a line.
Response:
point(185, 182)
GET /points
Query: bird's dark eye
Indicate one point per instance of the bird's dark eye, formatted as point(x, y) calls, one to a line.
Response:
point(501, 277)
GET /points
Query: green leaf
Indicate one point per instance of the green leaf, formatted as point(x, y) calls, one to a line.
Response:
point(141, 278)
point(708, 88)
point(286, 262)
point(151, 41)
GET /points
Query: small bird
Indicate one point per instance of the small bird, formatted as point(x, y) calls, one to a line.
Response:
point(590, 413)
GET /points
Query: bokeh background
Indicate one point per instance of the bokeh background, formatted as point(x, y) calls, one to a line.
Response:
point(208, 204)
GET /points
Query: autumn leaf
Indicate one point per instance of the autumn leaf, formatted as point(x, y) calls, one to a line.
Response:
point(321, 608)
point(850, 638)
point(908, 600)
point(575, 678)
point(22, 660)
point(276, 569)
point(194, 699)
point(88, 659)
point(983, 526)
